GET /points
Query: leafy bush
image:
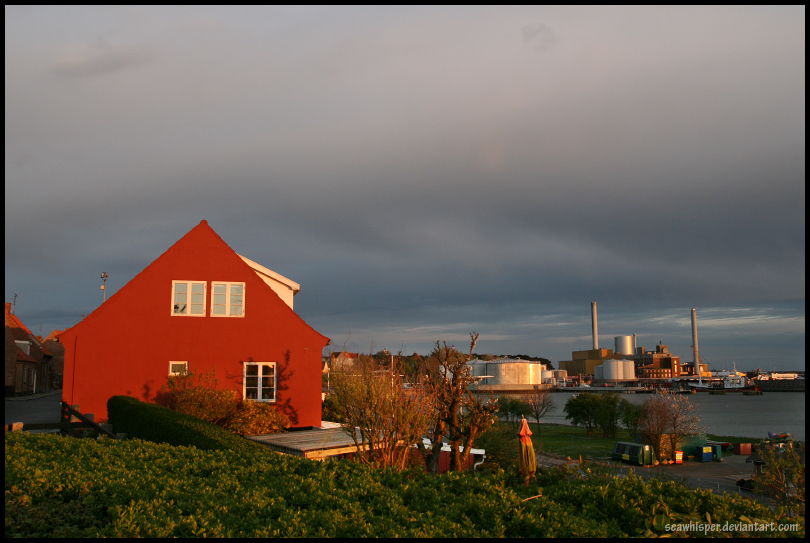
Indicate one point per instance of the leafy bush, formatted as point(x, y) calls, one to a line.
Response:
point(257, 418)
point(199, 395)
point(501, 444)
point(162, 425)
point(79, 487)
point(601, 411)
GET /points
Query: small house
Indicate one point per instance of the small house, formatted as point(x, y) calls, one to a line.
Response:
point(199, 307)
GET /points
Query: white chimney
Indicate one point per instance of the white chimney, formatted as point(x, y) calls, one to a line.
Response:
point(595, 328)
point(695, 357)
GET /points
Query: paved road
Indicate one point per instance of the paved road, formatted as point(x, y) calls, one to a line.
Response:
point(39, 408)
point(712, 476)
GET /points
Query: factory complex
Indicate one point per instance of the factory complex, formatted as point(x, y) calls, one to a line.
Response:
point(626, 365)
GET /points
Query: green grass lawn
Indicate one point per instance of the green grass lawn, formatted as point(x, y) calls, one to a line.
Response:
point(572, 441)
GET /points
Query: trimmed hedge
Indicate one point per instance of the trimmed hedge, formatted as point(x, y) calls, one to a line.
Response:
point(158, 424)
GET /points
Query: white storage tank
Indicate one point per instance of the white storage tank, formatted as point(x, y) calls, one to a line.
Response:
point(628, 369)
point(623, 345)
point(546, 374)
point(561, 374)
point(612, 370)
point(512, 371)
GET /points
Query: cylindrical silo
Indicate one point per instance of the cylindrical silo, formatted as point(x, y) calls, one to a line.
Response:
point(628, 369)
point(560, 374)
point(546, 374)
point(624, 345)
point(612, 370)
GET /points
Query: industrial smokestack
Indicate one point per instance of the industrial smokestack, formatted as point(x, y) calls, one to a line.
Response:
point(635, 344)
point(595, 328)
point(695, 357)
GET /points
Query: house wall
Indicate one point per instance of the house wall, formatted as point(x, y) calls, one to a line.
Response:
point(125, 346)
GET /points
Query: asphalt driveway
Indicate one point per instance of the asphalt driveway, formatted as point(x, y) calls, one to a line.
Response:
point(34, 409)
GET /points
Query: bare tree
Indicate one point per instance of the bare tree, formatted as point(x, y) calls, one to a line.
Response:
point(459, 415)
point(683, 418)
point(655, 423)
point(667, 419)
point(384, 419)
point(540, 403)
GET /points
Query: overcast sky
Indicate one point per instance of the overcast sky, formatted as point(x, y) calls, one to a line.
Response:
point(425, 172)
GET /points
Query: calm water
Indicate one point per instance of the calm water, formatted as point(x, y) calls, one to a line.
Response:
point(732, 414)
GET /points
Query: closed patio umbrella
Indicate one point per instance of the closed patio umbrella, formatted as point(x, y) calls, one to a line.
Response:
point(528, 462)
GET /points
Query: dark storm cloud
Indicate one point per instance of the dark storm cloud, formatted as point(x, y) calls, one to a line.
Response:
point(405, 165)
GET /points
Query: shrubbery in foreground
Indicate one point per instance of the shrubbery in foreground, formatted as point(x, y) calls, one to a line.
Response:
point(162, 425)
point(69, 487)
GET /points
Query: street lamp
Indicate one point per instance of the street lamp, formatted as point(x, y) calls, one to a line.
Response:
point(104, 287)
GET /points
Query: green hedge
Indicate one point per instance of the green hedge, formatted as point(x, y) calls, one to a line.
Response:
point(158, 424)
point(57, 486)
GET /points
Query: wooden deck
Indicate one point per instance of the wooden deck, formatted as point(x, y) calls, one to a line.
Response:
point(313, 444)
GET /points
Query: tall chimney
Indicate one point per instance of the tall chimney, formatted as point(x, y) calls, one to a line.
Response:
point(695, 357)
point(595, 328)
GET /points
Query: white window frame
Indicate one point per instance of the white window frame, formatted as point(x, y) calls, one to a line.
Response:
point(188, 312)
point(228, 294)
point(260, 365)
point(175, 373)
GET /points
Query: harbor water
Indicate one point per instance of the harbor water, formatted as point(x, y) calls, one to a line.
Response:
point(731, 414)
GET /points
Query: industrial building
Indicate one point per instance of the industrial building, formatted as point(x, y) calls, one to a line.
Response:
point(509, 375)
point(627, 362)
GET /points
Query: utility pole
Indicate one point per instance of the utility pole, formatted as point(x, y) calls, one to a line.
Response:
point(104, 287)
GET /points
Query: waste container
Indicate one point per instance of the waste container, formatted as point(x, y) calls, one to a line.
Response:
point(705, 454)
point(679, 457)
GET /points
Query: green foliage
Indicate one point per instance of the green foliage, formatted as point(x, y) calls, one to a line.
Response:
point(513, 409)
point(162, 425)
point(199, 395)
point(329, 409)
point(783, 476)
point(257, 418)
point(501, 445)
point(601, 411)
point(631, 415)
point(59, 486)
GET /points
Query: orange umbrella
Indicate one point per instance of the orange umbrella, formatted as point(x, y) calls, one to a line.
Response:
point(528, 461)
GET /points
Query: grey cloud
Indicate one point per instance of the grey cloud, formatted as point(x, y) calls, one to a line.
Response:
point(102, 62)
point(539, 36)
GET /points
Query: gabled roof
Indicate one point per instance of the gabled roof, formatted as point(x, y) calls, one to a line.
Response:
point(20, 332)
point(345, 355)
point(199, 247)
point(264, 273)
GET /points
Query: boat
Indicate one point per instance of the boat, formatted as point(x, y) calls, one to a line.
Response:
point(779, 382)
point(730, 380)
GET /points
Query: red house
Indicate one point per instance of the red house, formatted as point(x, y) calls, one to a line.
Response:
point(199, 306)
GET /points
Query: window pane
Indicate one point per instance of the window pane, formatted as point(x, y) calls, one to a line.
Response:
point(236, 310)
point(268, 393)
point(251, 393)
point(180, 300)
point(252, 369)
point(220, 289)
point(181, 287)
point(197, 288)
point(236, 289)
